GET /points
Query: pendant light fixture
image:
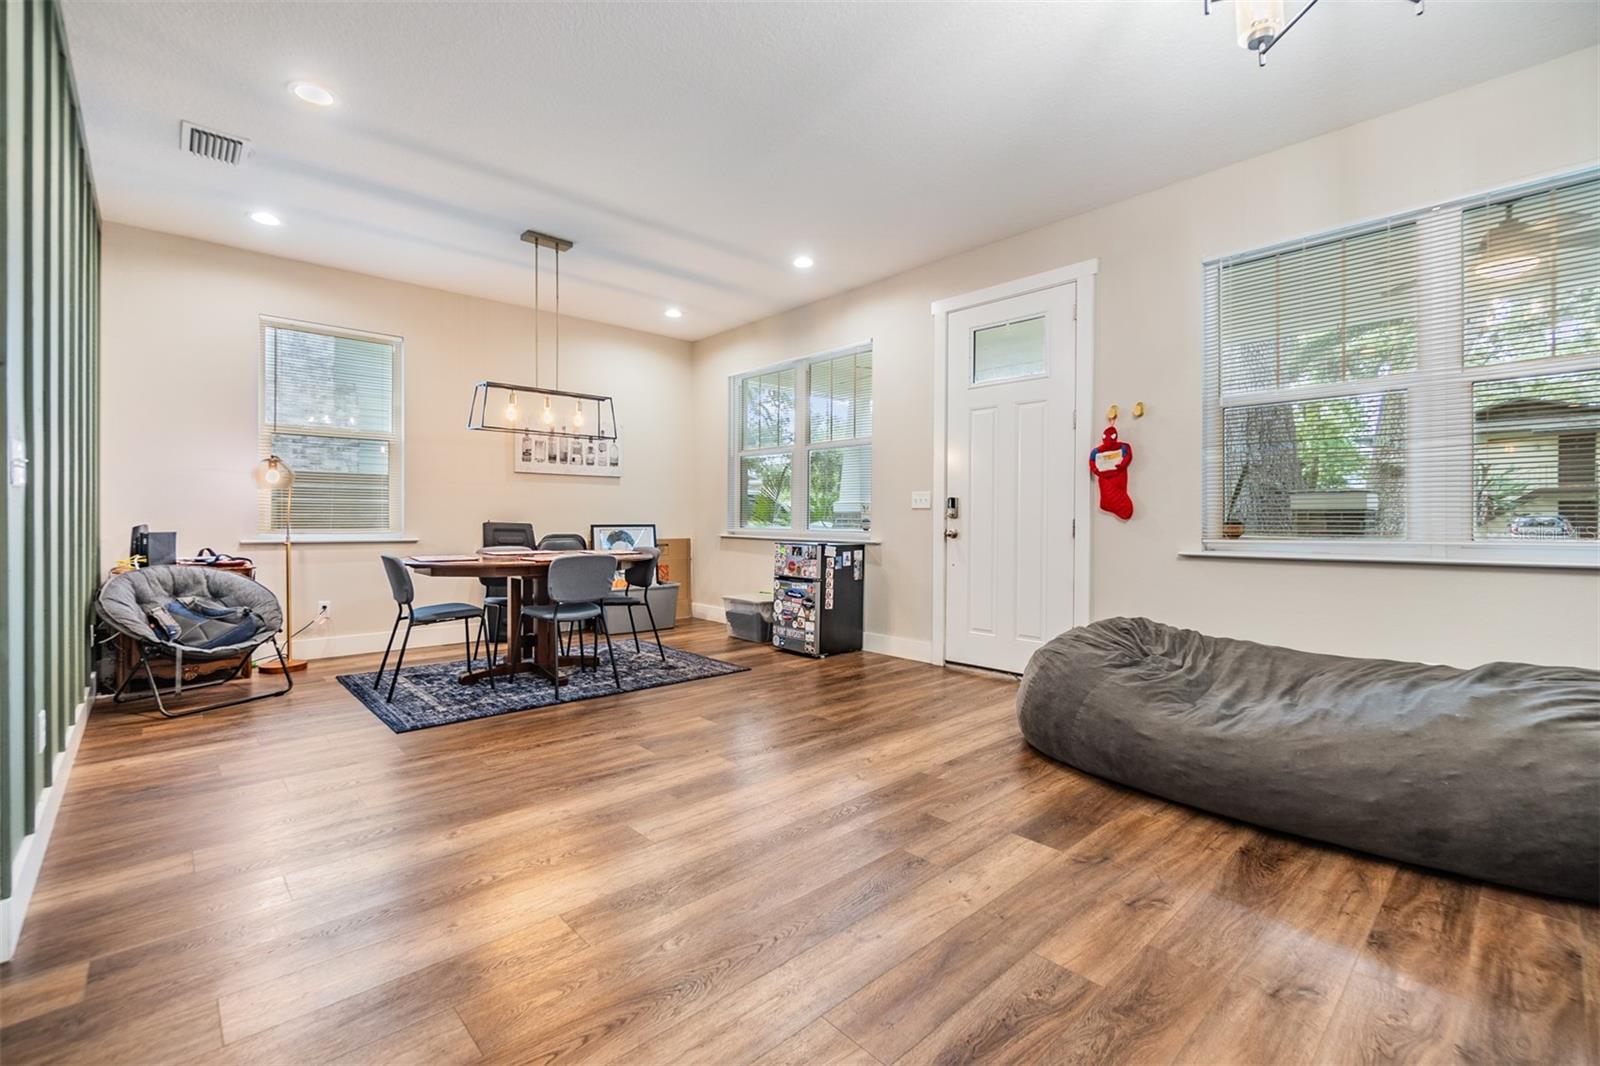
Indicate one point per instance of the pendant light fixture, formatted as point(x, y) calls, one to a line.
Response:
point(1260, 24)
point(503, 407)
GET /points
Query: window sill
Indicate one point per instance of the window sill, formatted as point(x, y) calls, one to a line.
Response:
point(1481, 556)
point(333, 538)
point(789, 536)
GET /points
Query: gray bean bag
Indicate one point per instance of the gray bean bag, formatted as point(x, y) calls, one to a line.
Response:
point(1492, 772)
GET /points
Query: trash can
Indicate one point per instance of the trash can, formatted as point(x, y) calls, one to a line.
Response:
point(749, 617)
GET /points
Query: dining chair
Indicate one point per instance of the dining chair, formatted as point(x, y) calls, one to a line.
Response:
point(432, 614)
point(560, 542)
point(499, 535)
point(640, 575)
point(576, 585)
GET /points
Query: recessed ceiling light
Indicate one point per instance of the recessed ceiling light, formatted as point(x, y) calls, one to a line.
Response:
point(804, 262)
point(673, 312)
point(265, 218)
point(312, 93)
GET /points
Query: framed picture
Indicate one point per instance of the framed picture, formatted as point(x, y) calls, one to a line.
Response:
point(622, 538)
point(546, 453)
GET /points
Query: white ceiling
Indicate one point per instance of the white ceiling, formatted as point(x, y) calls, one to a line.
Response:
point(691, 150)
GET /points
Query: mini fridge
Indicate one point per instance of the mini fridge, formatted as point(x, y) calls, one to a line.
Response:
point(817, 597)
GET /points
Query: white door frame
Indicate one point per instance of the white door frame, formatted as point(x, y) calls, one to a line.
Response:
point(1083, 274)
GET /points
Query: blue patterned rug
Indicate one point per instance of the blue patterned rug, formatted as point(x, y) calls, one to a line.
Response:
point(430, 695)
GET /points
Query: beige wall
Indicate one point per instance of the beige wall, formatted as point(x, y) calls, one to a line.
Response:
point(179, 385)
point(1539, 121)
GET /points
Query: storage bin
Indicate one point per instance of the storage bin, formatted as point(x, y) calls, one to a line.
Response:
point(663, 602)
point(749, 618)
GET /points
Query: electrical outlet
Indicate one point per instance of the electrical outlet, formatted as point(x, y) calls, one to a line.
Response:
point(921, 501)
point(324, 611)
point(41, 732)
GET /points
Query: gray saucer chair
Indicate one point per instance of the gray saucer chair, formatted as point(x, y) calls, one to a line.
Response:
point(642, 576)
point(193, 614)
point(577, 585)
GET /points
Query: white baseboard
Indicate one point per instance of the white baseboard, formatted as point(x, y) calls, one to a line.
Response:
point(30, 856)
point(315, 647)
point(882, 643)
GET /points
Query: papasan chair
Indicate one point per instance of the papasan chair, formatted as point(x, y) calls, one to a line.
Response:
point(191, 613)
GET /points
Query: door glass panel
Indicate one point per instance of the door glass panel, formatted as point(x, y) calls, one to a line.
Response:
point(1009, 350)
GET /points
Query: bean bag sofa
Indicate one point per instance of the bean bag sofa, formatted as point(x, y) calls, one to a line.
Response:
point(1492, 772)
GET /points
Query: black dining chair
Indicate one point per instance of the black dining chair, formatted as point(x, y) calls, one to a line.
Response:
point(562, 542)
point(642, 576)
point(404, 593)
point(499, 535)
point(576, 585)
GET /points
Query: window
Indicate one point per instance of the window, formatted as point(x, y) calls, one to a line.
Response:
point(1425, 386)
point(335, 419)
point(801, 445)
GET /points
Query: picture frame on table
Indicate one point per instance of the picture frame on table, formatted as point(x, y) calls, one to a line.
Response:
point(622, 537)
point(549, 453)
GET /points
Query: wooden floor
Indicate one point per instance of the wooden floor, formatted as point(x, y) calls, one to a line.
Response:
point(852, 861)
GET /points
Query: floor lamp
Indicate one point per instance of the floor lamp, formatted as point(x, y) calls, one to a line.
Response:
point(273, 474)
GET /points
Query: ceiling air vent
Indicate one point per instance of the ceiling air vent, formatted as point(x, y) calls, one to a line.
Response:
point(210, 144)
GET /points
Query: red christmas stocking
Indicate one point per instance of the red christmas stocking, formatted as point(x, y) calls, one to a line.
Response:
point(1108, 463)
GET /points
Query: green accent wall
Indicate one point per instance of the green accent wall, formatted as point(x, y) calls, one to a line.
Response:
point(49, 321)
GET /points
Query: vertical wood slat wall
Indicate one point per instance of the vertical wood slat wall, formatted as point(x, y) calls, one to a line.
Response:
point(49, 322)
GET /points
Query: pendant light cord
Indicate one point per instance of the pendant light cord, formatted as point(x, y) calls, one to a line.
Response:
point(536, 379)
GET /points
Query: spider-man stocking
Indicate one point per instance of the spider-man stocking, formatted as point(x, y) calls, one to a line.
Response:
point(1108, 462)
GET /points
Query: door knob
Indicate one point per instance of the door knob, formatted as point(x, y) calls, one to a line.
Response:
point(951, 534)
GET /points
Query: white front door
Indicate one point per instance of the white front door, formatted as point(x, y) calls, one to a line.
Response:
point(1011, 475)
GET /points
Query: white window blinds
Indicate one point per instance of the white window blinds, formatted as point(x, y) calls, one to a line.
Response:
point(803, 432)
point(1427, 385)
point(331, 410)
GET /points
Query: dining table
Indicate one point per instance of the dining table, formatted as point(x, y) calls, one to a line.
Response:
point(524, 574)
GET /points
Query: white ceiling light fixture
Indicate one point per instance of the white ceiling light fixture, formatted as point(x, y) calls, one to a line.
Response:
point(1260, 24)
point(494, 403)
point(312, 93)
point(804, 262)
point(673, 312)
point(265, 218)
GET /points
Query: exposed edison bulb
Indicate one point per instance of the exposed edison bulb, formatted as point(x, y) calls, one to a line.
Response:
point(577, 414)
point(512, 414)
point(547, 416)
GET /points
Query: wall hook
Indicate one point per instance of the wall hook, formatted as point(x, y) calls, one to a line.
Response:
point(1112, 412)
point(1138, 409)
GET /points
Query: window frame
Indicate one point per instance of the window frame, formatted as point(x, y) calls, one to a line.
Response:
point(799, 453)
point(395, 439)
point(1440, 371)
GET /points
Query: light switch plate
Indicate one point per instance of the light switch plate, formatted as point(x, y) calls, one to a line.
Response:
point(921, 501)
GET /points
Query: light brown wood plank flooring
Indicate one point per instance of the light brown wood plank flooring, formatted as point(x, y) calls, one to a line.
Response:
point(853, 861)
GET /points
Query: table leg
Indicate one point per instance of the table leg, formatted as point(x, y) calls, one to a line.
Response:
point(545, 651)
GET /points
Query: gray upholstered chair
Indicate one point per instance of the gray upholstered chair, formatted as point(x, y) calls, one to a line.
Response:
point(404, 593)
point(642, 576)
point(560, 542)
point(576, 586)
point(191, 613)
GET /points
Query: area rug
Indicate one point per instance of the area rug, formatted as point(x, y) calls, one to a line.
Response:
point(429, 695)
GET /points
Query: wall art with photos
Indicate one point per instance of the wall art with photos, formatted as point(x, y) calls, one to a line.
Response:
point(544, 453)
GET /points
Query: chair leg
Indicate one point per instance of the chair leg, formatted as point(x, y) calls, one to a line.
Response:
point(386, 648)
point(488, 648)
point(155, 689)
point(466, 641)
point(635, 627)
point(615, 677)
point(653, 630)
point(395, 679)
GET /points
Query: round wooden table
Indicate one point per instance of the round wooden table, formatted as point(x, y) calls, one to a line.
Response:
point(517, 571)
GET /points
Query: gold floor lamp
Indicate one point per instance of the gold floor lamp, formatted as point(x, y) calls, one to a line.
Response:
point(274, 475)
